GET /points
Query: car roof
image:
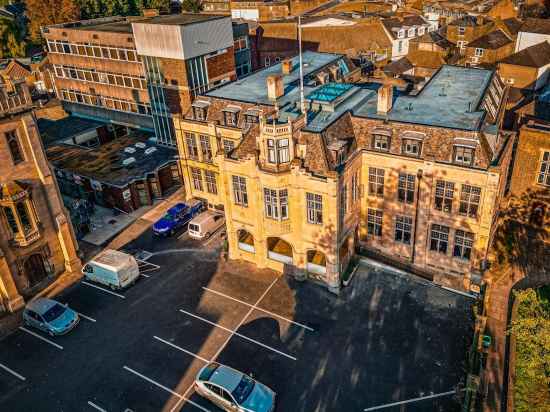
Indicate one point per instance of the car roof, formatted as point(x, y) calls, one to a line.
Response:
point(178, 207)
point(203, 217)
point(41, 305)
point(226, 377)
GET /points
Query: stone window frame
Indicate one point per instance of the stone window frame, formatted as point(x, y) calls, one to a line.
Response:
point(314, 207)
point(276, 203)
point(376, 182)
point(277, 152)
point(211, 182)
point(462, 149)
point(240, 195)
point(228, 145)
point(470, 200)
point(191, 146)
point(543, 174)
point(439, 238)
point(196, 178)
point(444, 196)
point(206, 148)
point(406, 187)
point(20, 204)
point(478, 52)
point(403, 229)
point(406, 141)
point(463, 244)
point(381, 135)
point(375, 221)
point(14, 146)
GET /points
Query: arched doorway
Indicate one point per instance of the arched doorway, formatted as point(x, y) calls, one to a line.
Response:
point(246, 241)
point(35, 269)
point(316, 262)
point(279, 250)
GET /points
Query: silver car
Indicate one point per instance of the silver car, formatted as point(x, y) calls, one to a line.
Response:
point(50, 316)
point(232, 390)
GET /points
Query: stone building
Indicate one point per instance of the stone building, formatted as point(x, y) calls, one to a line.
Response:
point(414, 180)
point(37, 243)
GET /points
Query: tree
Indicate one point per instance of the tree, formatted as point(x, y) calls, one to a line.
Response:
point(193, 6)
point(91, 9)
point(532, 331)
point(11, 43)
point(47, 12)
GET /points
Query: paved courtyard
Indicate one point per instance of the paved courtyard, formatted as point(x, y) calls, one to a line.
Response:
point(388, 337)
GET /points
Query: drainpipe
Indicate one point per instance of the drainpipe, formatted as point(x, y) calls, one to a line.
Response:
point(419, 176)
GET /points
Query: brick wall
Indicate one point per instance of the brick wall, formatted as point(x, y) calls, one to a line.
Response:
point(221, 65)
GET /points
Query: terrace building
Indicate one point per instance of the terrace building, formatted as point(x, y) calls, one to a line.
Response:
point(140, 71)
point(412, 180)
point(37, 242)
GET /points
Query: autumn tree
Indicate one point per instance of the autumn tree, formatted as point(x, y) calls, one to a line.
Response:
point(11, 42)
point(91, 9)
point(193, 6)
point(47, 12)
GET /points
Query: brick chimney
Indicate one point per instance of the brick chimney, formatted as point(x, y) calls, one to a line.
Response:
point(385, 99)
point(286, 66)
point(150, 12)
point(275, 87)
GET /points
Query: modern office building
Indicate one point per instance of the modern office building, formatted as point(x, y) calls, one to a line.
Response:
point(37, 242)
point(413, 180)
point(140, 71)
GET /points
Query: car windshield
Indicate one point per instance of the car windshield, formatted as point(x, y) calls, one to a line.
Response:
point(168, 217)
point(208, 370)
point(243, 389)
point(54, 312)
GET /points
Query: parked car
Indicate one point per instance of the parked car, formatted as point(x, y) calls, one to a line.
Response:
point(202, 226)
point(177, 217)
point(232, 390)
point(112, 268)
point(50, 316)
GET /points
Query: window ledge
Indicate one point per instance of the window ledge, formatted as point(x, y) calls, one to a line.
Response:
point(27, 240)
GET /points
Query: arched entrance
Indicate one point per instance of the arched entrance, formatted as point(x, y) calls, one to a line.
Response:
point(316, 262)
point(246, 241)
point(279, 250)
point(35, 269)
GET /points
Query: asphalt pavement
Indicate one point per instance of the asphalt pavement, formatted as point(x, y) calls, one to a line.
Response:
point(388, 337)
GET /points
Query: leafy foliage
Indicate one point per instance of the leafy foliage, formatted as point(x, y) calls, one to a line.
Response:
point(47, 12)
point(11, 43)
point(91, 9)
point(193, 6)
point(532, 331)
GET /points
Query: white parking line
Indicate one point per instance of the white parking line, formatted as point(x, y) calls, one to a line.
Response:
point(93, 405)
point(145, 263)
point(13, 372)
point(85, 316)
point(238, 334)
point(421, 398)
point(104, 290)
point(257, 308)
point(144, 275)
point(159, 385)
point(214, 235)
point(40, 337)
point(182, 235)
point(181, 349)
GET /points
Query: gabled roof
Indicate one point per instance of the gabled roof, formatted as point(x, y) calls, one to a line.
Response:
point(15, 70)
point(492, 40)
point(537, 55)
point(512, 25)
point(532, 25)
point(394, 24)
point(434, 37)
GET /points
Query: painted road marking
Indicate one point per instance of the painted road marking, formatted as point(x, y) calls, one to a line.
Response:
point(144, 275)
point(186, 393)
point(13, 372)
point(237, 334)
point(40, 337)
point(104, 290)
point(181, 349)
point(421, 398)
point(161, 386)
point(258, 308)
point(93, 405)
point(81, 314)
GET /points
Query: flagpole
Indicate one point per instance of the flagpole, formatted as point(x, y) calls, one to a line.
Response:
point(302, 100)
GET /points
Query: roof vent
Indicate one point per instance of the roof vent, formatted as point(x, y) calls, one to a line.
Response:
point(150, 150)
point(129, 150)
point(128, 161)
point(140, 145)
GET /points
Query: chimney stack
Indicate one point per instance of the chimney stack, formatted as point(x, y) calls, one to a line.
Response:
point(385, 99)
point(275, 87)
point(286, 66)
point(150, 12)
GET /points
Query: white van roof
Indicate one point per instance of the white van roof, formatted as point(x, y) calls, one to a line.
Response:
point(113, 259)
point(203, 217)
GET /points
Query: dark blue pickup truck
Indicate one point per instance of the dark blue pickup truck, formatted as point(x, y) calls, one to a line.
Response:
point(177, 217)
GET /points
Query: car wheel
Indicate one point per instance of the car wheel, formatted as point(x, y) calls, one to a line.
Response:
point(207, 236)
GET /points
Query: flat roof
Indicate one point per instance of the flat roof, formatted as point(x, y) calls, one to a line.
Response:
point(65, 128)
point(252, 88)
point(182, 19)
point(122, 26)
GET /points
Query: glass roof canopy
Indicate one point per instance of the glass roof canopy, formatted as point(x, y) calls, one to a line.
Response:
point(329, 92)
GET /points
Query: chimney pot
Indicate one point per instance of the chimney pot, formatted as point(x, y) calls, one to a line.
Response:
point(286, 66)
point(385, 99)
point(275, 87)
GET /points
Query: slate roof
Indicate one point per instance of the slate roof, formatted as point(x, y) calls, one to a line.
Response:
point(53, 131)
point(492, 40)
point(532, 25)
point(394, 24)
point(537, 56)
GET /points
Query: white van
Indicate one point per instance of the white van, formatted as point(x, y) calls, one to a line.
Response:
point(112, 268)
point(205, 224)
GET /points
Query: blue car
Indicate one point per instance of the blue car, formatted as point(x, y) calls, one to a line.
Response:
point(176, 218)
point(233, 391)
point(50, 316)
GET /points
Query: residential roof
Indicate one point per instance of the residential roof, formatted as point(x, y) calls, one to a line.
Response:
point(426, 58)
point(512, 25)
point(106, 163)
point(532, 25)
point(394, 24)
point(470, 20)
point(399, 66)
point(434, 37)
point(537, 55)
point(492, 40)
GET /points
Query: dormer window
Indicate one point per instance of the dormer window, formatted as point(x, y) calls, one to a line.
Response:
point(412, 143)
point(231, 116)
point(278, 151)
point(401, 34)
point(411, 32)
point(252, 116)
point(381, 139)
point(421, 31)
point(463, 155)
point(200, 109)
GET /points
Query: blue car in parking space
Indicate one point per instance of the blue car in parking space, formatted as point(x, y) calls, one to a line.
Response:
point(50, 316)
point(177, 217)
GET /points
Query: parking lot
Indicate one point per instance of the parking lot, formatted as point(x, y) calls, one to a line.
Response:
point(388, 337)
